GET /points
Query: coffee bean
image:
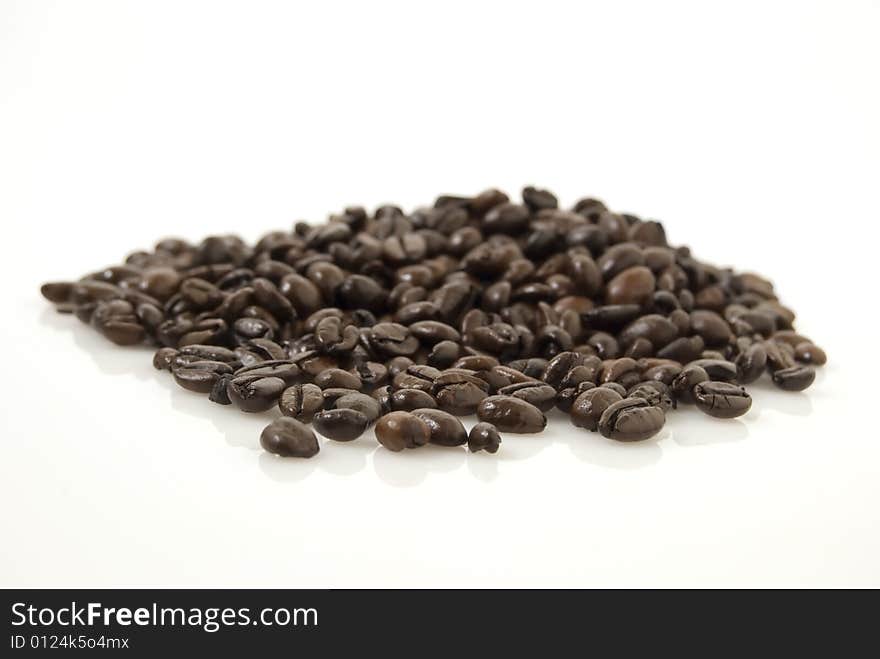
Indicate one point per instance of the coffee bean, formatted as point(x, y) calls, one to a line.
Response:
point(542, 396)
point(255, 393)
point(336, 377)
point(366, 405)
point(458, 393)
point(682, 387)
point(721, 399)
point(631, 420)
point(750, 363)
point(634, 285)
point(399, 430)
point(589, 406)
point(794, 378)
point(445, 429)
point(289, 438)
point(511, 414)
point(301, 401)
point(484, 437)
point(809, 353)
point(343, 424)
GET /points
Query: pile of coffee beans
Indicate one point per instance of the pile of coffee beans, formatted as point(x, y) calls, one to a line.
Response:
point(475, 305)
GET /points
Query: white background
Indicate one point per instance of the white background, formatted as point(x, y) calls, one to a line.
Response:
point(750, 129)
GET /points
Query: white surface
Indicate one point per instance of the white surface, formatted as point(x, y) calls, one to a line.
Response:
point(751, 132)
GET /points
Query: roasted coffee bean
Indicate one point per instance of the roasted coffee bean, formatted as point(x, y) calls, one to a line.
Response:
point(634, 285)
point(342, 425)
point(301, 401)
point(750, 363)
point(683, 350)
point(255, 393)
point(458, 393)
point(511, 414)
point(400, 430)
point(682, 387)
point(794, 378)
point(631, 420)
point(712, 327)
point(163, 357)
point(718, 369)
point(654, 392)
point(484, 437)
point(336, 377)
point(200, 376)
point(289, 438)
point(445, 429)
point(366, 405)
point(566, 397)
point(407, 400)
point(588, 407)
point(541, 395)
point(721, 399)
point(809, 353)
point(616, 387)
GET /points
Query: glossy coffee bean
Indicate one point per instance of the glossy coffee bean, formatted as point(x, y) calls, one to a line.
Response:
point(751, 363)
point(343, 425)
point(445, 429)
point(721, 399)
point(809, 353)
point(511, 414)
point(366, 405)
point(336, 377)
point(794, 378)
point(541, 395)
point(631, 420)
point(289, 438)
point(484, 437)
point(255, 393)
point(588, 408)
point(301, 401)
point(682, 387)
point(400, 430)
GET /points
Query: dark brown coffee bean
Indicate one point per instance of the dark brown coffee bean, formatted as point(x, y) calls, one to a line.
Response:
point(631, 420)
point(588, 407)
point(336, 377)
point(510, 414)
point(616, 387)
point(809, 353)
point(721, 399)
point(458, 393)
point(634, 285)
point(289, 438)
point(255, 393)
point(794, 378)
point(407, 400)
point(682, 387)
point(445, 429)
point(400, 430)
point(718, 369)
point(683, 350)
point(654, 392)
point(301, 401)
point(750, 363)
point(484, 437)
point(541, 395)
point(712, 327)
point(342, 425)
point(363, 403)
